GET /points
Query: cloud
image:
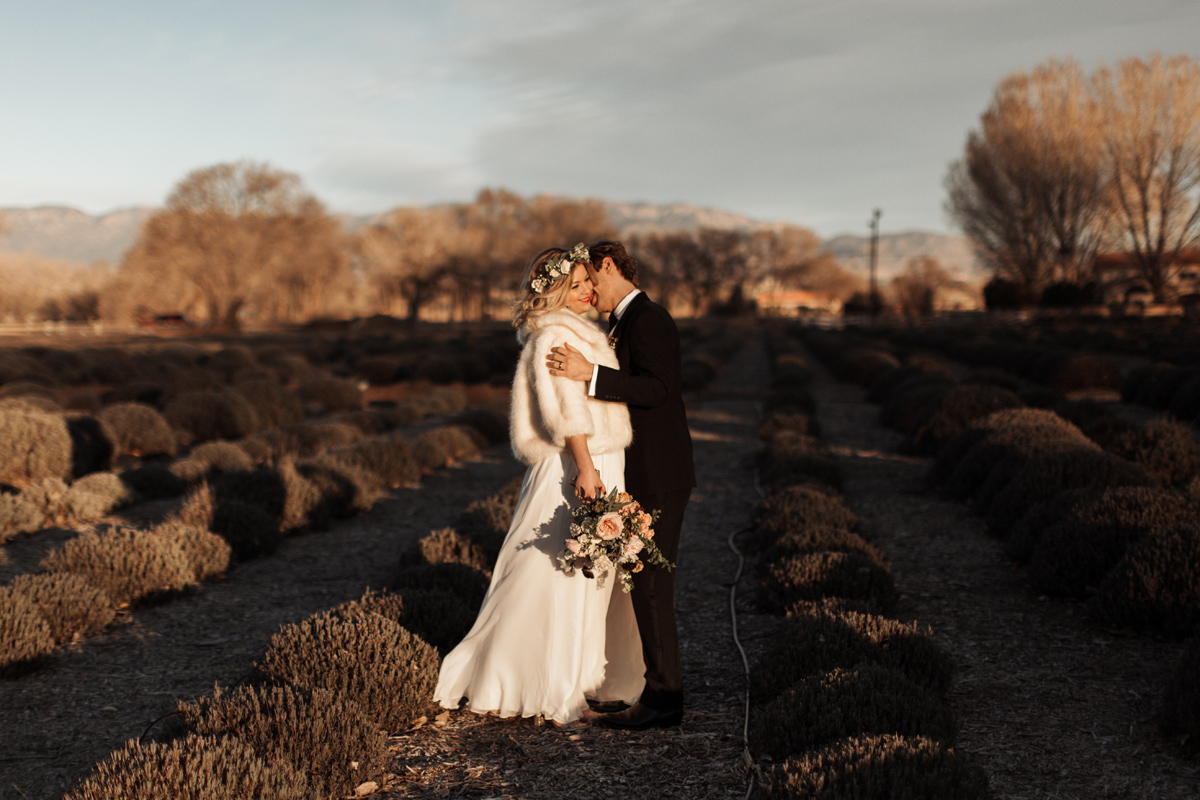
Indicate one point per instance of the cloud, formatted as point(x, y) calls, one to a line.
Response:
point(377, 176)
point(781, 109)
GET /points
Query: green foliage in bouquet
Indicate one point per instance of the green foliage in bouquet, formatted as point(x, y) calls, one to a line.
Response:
point(891, 766)
point(329, 738)
point(612, 533)
point(194, 767)
point(870, 699)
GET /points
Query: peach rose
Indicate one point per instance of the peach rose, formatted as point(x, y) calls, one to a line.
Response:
point(573, 546)
point(609, 526)
point(623, 497)
point(634, 546)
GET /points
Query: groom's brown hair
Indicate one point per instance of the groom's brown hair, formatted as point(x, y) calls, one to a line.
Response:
point(625, 263)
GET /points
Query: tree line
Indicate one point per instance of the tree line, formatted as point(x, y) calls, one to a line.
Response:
point(1066, 166)
point(246, 242)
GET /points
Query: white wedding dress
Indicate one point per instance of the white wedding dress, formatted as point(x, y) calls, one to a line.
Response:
point(545, 642)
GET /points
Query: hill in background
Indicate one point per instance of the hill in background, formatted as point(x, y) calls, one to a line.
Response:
point(67, 234)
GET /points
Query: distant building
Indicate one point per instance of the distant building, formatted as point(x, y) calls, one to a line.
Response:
point(1118, 281)
point(777, 302)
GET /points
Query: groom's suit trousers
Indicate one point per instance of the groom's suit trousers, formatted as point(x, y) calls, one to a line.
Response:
point(653, 598)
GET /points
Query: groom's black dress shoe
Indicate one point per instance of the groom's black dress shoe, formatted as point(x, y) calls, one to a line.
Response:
point(607, 706)
point(640, 718)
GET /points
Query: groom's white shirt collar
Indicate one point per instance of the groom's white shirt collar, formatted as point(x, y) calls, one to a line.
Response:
point(625, 301)
point(618, 311)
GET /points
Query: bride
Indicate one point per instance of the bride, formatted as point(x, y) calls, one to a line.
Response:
point(545, 642)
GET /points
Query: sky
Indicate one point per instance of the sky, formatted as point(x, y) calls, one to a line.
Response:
point(805, 111)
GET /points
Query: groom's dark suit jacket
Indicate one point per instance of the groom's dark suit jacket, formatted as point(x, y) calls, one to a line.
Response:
point(647, 346)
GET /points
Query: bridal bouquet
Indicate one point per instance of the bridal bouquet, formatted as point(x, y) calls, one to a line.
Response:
point(612, 532)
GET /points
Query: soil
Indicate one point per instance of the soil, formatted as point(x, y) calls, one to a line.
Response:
point(1050, 705)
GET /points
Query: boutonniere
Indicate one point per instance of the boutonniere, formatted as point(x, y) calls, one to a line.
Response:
point(612, 342)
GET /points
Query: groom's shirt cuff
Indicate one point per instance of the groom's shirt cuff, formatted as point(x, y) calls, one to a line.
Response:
point(592, 384)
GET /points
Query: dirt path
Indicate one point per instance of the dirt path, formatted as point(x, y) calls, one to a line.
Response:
point(1053, 706)
point(57, 722)
point(481, 757)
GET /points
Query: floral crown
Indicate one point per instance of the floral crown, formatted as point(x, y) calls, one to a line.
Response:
point(558, 267)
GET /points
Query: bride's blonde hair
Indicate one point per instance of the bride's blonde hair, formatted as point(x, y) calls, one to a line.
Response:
point(533, 304)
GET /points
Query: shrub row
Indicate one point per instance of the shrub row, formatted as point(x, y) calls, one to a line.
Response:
point(241, 514)
point(1165, 387)
point(313, 719)
point(848, 703)
point(1099, 508)
point(83, 582)
point(138, 429)
point(705, 354)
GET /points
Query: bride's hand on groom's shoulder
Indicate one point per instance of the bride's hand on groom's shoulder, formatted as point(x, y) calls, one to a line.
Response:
point(567, 362)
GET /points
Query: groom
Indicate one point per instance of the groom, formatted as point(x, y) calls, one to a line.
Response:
point(658, 464)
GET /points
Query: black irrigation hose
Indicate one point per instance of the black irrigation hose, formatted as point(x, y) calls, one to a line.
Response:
point(747, 758)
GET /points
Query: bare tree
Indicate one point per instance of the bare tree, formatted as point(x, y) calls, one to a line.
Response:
point(407, 254)
point(664, 259)
point(720, 262)
point(790, 255)
point(227, 233)
point(1152, 137)
point(916, 288)
point(1030, 189)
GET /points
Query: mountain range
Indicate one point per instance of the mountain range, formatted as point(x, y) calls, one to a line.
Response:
point(69, 235)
